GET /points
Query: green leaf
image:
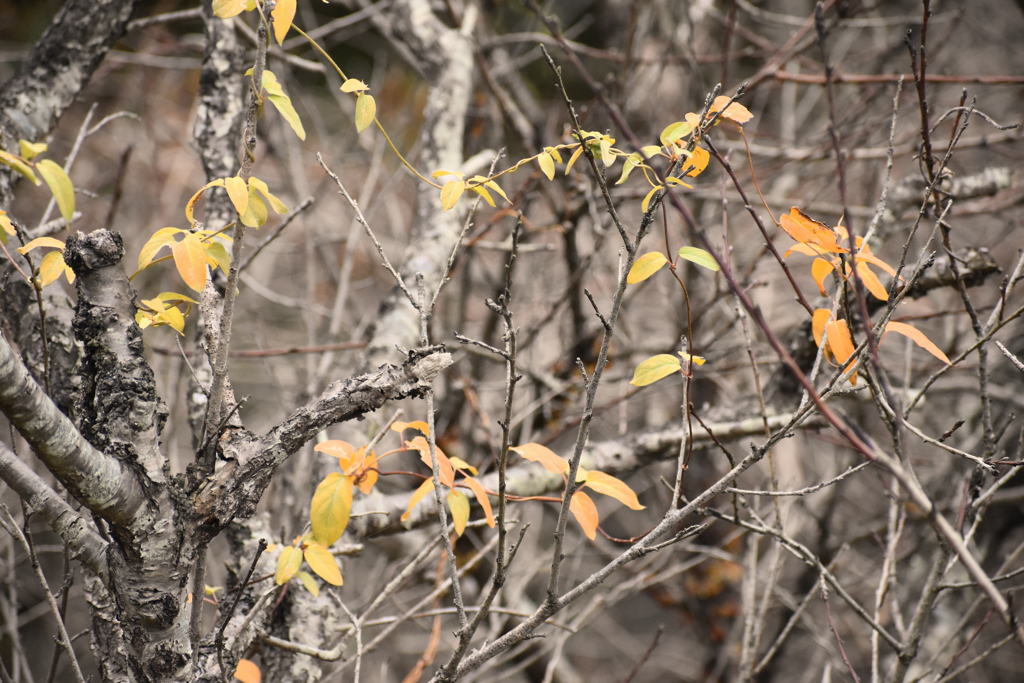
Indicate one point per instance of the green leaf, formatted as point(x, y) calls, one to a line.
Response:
point(329, 512)
point(61, 187)
point(674, 131)
point(366, 110)
point(19, 165)
point(645, 266)
point(700, 257)
point(655, 368)
point(323, 563)
point(459, 505)
point(217, 256)
point(627, 166)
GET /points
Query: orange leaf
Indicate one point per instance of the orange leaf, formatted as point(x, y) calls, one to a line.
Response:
point(818, 320)
point(871, 281)
point(616, 488)
point(699, 161)
point(425, 488)
point(803, 228)
point(418, 424)
point(820, 269)
point(586, 513)
point(839, 339)
point(336, 448)
point(544, 455)
point(481, 497)
point(865, 255)
point(918, 337)
point(190, 259)
point(247, 672)
point(369, 474)
point(446, 473)
point(735, 111)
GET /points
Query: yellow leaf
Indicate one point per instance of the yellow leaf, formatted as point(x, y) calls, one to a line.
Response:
point(544, 455)
point(918, 337)
point(246, 671)
point(256, 212)
point(354, 85)
point(287, 565)
point(554, 154)
point(323, 563)
point(451, 192)
point(276, 204)
point(818, 320)
point(647, 200)
point(459, 505)
point(283, 103)
point(283, 13)
point(494, 186)
point(697, 360)
point(51, 268)
point(573, 158)
point(483, 193)
point(655, 368)
point(41, 242)
point(238, 193)
point(366, 110)
point(616, 488)
point(310, 583)
point(161, 238)
point(547, 165)
point(482, 498)
point(217, 256)
point(441, 172)
point(426, 487)
point(6, 227)
point(698, 161)
point(461, 464)
point(583, 508)
point(673, 132)
point(820, 269)
point(18, 165)
point(735, 111)
point(645, 266)
point(672, 180)
point(61, 187)
point(329, 511)
point(30, 150)
point(225, 9)
point(607, 156)
point(700, 257)
point(190, 259)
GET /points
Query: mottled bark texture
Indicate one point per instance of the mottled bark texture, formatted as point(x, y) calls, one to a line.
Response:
point(445, 57)
point(56, 70)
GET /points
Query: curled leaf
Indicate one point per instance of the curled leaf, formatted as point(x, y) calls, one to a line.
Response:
point(573, 158)
point(647, 200)
point(820, 269)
